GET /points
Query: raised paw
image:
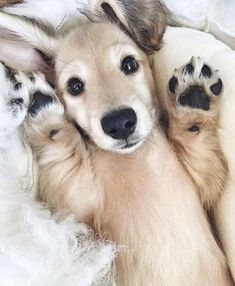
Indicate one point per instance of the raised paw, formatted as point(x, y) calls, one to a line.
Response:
point(46, 126)
point(45, 112)
point(193, 98)
point(195, 85)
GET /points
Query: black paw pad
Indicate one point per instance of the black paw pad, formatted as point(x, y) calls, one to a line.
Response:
point(206, 71)
point(173, 83)
point(189, 68)
point(217, 87)
point(39, 101)
point(195, 97)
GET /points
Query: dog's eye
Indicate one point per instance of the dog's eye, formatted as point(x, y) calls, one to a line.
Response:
point(75, 86)
point(129, 65)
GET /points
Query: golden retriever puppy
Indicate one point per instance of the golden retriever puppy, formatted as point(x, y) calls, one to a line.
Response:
point(143, 200)
point(119, 173)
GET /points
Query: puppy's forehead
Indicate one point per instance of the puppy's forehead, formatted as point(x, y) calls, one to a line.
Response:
point(92, 42)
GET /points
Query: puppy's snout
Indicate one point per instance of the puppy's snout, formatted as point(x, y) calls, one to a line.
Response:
point(119, 124)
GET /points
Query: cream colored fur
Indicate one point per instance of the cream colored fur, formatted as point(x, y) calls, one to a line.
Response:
point(174, 247)
point(200, 152)
point(144, 201)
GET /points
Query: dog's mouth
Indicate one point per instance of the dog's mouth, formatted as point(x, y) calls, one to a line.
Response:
point(129, 145)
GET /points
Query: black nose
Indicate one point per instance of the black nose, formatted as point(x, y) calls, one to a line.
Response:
point(119, 124)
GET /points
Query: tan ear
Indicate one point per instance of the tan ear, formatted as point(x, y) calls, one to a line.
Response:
point(27, 44)
point(143, 20)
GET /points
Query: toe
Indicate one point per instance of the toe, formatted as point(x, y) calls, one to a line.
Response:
point(217, 87)
point(189, 69)
point(206, 71)
point(195, 97)
point(173, 83)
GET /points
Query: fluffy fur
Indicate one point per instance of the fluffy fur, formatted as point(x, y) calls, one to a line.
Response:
point(177, 227)
point(115, 204)
point(34, 248)
point(119, 203)
point(199, 150)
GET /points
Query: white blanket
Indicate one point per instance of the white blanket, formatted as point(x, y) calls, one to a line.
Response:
point(213, 16)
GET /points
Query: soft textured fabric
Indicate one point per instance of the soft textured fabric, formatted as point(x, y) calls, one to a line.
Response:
point(216, 17)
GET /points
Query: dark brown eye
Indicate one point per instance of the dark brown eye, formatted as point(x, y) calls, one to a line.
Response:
point(129, 65)
point(75, 86)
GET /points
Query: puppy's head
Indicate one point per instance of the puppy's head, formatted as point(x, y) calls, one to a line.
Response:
point(104, 76)
point(106, 84)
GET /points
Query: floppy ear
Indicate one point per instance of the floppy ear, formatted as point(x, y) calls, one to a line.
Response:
point(148, 20)
point(32, 41)
point(143, 20)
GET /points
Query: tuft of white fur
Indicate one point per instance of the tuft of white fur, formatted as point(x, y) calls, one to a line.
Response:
point(36, 248)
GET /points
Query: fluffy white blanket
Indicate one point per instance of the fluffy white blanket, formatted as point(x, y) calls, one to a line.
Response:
point(216, 17)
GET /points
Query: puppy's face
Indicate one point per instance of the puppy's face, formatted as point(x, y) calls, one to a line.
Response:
point(106, 84)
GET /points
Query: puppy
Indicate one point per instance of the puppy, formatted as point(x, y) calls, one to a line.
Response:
point(121, 175)
point(142, 200)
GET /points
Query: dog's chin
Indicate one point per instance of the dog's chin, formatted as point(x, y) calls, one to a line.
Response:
point(128, 148)
point(124, 148)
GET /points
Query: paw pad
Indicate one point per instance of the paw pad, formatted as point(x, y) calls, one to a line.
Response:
point(195, 98)
point(39, 101)
point(206, 71)
point(173, 83)
point(189, 68)
point(217, 87)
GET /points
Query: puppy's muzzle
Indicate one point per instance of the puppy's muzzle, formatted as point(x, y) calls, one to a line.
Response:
point(119, 124)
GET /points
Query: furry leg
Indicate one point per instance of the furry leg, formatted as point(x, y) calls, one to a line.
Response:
point(64, 165)
point(193, 106)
